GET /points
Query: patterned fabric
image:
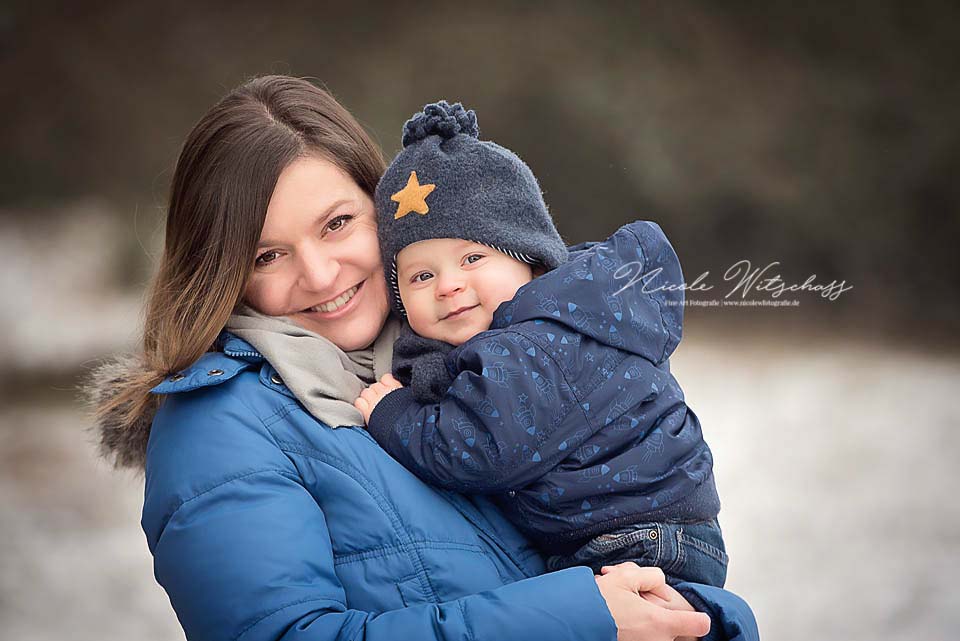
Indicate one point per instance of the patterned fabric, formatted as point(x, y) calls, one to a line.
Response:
point(566, 409)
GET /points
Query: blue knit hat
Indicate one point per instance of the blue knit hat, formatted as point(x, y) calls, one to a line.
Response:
point(446, 183)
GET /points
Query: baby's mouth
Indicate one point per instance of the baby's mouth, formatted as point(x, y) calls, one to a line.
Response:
point(459, 311)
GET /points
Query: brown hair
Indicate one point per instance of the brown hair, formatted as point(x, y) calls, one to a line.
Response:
point(224, 178)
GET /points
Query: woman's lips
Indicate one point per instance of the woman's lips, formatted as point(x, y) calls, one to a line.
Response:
point(340, 311)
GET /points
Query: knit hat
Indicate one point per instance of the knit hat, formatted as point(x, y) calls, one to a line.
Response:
point(447, 183)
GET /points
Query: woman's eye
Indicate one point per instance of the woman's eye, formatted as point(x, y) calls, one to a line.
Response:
point(472, 258)
point(337, 223)
point(422, 277)
point(266, 258)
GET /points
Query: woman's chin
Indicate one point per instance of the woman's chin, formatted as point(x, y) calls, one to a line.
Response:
point(358, 340)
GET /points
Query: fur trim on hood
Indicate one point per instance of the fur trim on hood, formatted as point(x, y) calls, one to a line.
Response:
point(123, 430)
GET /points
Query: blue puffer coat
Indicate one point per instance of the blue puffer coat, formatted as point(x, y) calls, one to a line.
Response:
point(566, 407)
point(266, 524)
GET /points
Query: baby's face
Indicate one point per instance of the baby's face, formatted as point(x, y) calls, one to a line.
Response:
point(450, 287)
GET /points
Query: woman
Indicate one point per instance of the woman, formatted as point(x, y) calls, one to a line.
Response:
point(266, 523)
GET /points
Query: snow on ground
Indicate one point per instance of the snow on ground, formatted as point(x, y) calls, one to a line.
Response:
point(836, 468)
point(835, 463)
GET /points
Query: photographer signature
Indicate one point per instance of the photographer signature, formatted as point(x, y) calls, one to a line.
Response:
point(750, 279)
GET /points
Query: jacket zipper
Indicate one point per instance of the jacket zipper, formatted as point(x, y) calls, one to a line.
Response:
point(243, 354)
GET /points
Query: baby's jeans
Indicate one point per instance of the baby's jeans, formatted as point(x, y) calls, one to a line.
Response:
point(684, 551)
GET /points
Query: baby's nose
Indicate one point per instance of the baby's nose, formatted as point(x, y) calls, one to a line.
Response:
point(448, 285)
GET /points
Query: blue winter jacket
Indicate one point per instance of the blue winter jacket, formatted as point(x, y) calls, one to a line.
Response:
point(566, 408)
point(266, 524)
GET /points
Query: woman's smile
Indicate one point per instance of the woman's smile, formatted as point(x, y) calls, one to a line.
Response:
point(339, 306)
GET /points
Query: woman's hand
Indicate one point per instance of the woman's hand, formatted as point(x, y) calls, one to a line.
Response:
point(369, 397)
point(641, 618)
point(665, 597)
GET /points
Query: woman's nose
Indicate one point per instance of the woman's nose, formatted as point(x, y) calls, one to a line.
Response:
point(318, 271)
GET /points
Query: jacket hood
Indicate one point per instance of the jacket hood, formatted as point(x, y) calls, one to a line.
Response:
point(124, 429)
point(625, 292)
point(122, 432)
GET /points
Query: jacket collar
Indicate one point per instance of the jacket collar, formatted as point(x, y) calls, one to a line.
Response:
point(235, 355)
point(233, 345)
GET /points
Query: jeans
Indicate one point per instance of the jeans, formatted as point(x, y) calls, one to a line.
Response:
point(684, 551)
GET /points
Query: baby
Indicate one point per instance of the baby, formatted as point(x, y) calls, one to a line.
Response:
point(534, 374)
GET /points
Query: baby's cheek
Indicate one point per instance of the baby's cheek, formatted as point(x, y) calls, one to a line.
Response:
point(484, 322)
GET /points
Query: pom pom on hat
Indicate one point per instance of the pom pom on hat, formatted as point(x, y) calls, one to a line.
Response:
point(440, 119)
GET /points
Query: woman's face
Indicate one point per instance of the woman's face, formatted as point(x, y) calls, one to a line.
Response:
point(318, 260)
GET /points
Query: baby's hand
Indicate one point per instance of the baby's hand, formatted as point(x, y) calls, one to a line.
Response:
point(369, 397)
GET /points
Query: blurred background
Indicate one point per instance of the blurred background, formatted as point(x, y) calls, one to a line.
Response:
point(825, 138)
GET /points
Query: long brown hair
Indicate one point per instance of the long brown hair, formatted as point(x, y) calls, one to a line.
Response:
point(222, 184)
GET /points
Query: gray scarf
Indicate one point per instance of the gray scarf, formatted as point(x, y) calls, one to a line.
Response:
point(321, 375)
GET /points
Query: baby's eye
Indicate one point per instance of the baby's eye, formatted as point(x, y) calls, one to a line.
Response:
point(422, 277)
point(338, 222)
point(267, 257)
point(472, 258)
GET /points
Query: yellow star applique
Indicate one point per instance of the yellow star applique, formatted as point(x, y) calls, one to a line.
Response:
point(413, 197)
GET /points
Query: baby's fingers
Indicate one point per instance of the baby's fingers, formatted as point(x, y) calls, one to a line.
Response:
point(390, 382)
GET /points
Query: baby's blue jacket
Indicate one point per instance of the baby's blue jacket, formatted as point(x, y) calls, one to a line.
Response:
point(565, 410)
